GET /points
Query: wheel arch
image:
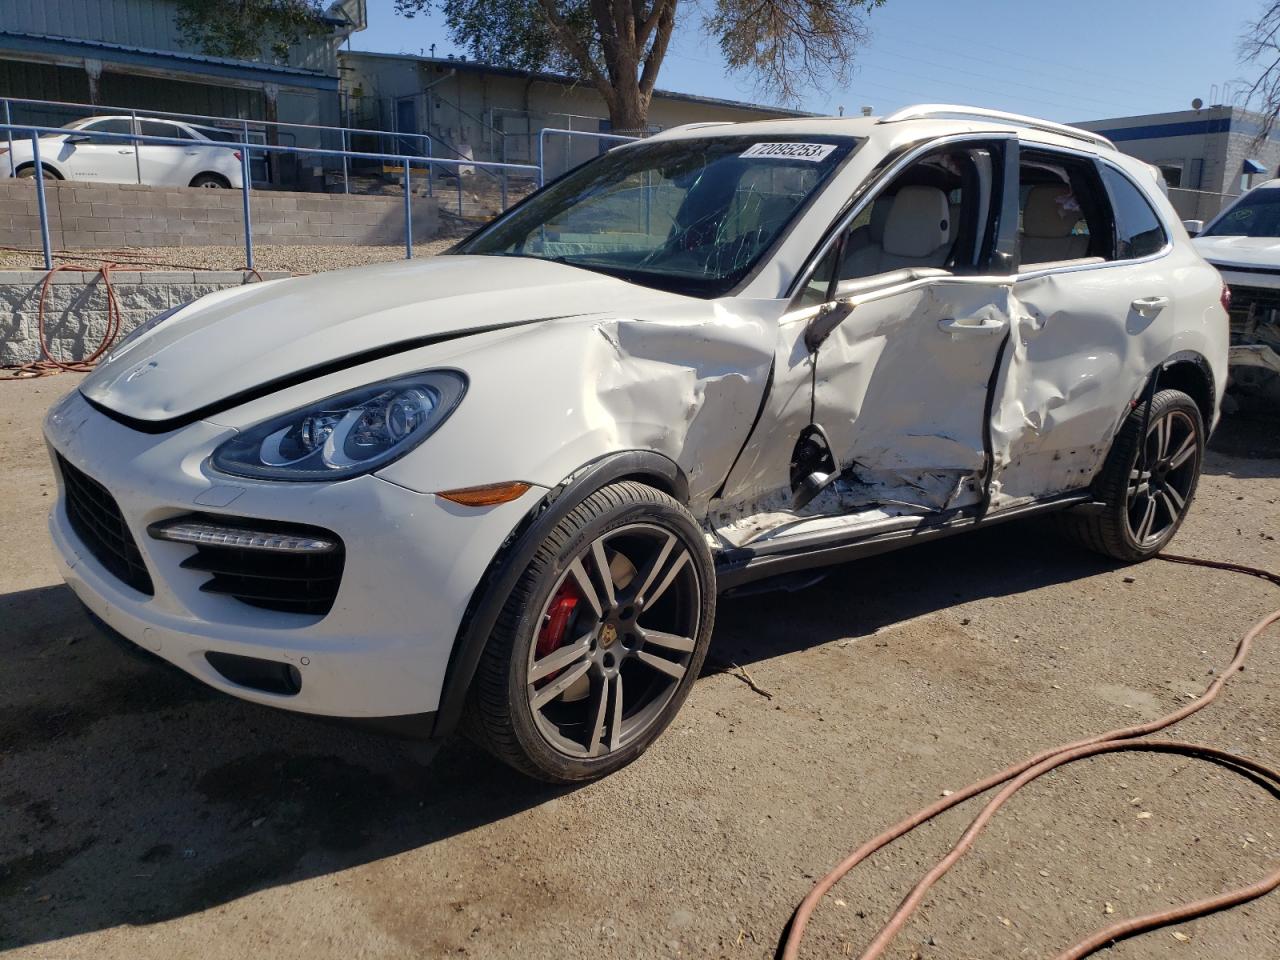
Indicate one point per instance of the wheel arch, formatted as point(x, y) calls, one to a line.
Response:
point(507, 565)
point(1191, 373)
point(52, 168)
point(211, 173)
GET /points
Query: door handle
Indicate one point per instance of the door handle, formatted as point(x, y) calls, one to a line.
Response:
point(1147, 305)
point(126, 153)
point(971, 327)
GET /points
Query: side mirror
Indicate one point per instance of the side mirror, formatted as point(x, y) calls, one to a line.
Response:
point(78, 138)
point(1194, 227)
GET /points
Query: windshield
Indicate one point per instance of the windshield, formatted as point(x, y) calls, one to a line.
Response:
point(1257, 214)
point(691, 216)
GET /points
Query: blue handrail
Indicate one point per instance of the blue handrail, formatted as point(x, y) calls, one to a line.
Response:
point(245, 148)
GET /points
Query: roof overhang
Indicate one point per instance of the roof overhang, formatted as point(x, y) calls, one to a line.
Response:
point(169, 64)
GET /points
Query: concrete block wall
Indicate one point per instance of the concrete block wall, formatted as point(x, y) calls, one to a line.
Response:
point(75, 309)
point(107, 215)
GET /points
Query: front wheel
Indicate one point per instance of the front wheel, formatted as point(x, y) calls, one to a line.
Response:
point(1147, 483)
point(600, 640)
point(29, 172)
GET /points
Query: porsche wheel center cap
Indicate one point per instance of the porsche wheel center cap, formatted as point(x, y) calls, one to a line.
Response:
point(608, 635)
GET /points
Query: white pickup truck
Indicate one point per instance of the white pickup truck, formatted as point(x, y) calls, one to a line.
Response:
point(1243, 242)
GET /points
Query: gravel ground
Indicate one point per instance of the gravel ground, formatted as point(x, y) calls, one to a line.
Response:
point(147, 817)
point(296, 258)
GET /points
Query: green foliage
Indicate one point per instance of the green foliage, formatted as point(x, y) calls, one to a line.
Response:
point(511, 33)
point(243, 29)
point(785, 45)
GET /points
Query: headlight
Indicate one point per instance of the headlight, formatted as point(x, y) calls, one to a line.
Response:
point(345, 435)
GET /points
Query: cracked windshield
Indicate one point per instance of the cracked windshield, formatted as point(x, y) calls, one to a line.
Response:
point(691, 216)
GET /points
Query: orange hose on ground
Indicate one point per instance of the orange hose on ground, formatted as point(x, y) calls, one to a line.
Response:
point(1019, 775)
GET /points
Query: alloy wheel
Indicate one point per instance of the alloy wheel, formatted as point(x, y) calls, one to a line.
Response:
point(1162, 478)
point(614, 640)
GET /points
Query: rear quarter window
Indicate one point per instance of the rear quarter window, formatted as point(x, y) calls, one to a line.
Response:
point(1139, 232)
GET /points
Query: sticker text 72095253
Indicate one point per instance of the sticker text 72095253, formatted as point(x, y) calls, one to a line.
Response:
point(814, 152)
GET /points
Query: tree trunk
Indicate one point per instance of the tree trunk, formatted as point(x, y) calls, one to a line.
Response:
point(629, 111)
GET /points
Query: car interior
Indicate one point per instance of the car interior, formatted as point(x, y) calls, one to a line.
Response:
point(928, 217)
point(1064, 214)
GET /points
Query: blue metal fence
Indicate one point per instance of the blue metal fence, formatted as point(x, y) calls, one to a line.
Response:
point(246, 149)
point(555, 131)
point(422, 142)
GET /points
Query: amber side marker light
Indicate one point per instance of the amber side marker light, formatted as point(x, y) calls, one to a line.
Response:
point(487, 495)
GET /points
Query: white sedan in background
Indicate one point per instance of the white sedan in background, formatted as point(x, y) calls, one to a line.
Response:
point(84, 152)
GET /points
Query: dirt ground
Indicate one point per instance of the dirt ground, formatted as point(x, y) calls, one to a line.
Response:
point(144, 816)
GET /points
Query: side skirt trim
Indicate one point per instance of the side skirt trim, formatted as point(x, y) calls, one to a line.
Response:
point(736, 567)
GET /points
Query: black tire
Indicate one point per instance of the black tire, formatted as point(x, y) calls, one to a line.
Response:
point(213, 181)
point(626, 519)
point(29, 172)
point(1115, 530)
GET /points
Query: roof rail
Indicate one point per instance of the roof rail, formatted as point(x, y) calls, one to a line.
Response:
point(953, 111)
point(698, 125)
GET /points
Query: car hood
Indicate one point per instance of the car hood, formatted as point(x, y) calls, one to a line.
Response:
point(227, 347)
point(1240, 251)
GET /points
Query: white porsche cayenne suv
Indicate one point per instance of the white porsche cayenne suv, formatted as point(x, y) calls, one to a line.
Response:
point(502, 487)
point(96, 150)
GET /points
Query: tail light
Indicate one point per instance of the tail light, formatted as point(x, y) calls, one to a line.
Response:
point(1226, 298)
point(237, 153)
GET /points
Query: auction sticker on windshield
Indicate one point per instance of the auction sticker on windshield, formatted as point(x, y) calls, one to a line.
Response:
point(790, 151)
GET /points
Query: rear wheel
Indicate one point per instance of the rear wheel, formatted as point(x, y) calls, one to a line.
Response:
point(600, 641)
point(211, 181)
point(1147, 483)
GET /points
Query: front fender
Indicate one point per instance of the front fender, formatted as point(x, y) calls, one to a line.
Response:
point(546, 399)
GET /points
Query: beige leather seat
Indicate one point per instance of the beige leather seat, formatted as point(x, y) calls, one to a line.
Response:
point(1048, 218)
point(917, 229)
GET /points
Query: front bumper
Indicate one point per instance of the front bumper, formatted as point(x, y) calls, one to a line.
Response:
point(412, 563)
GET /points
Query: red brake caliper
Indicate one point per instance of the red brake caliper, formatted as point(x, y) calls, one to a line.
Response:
point(556, 625)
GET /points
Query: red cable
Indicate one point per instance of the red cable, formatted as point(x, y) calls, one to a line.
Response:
point(49, 364)
point(1019, 775)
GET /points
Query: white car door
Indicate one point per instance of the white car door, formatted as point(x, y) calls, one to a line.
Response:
point(1094, 308)
point(169, 165)
point(84, 156)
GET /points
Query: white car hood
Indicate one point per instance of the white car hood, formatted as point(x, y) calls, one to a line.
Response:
point(226, 347)
point(1240, 251)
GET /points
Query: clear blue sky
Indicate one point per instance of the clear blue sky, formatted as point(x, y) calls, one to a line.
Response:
point(1078, 60)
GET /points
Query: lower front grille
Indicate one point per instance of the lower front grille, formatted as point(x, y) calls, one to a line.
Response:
point(97, 521)
point(304, 583)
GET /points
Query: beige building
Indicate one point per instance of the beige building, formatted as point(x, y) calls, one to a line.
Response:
point(494, 113)
point(1207, 156)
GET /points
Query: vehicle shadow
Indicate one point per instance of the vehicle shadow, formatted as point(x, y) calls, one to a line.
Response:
point(133, 794)
point(857, 599)
point(1245, 445)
